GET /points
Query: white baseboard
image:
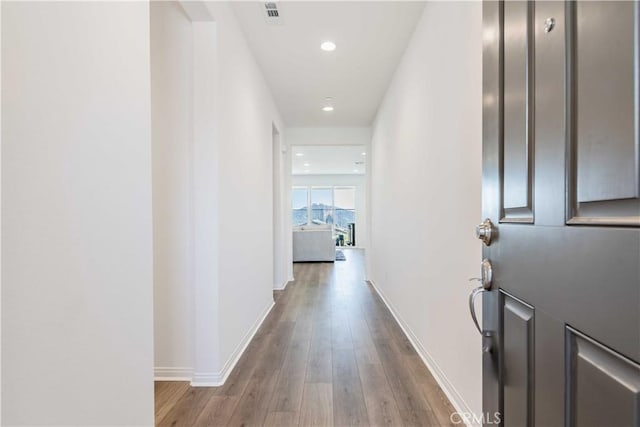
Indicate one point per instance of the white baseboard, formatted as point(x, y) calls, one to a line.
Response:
point(216, 379)
point(172, 374)
point(449, 390)
point(282, 287)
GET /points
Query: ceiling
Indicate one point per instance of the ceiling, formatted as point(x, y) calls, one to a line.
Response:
point(328, 160)
point(371, 37)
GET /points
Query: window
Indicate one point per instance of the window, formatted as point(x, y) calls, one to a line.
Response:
point(344, 213)
point(322, 205)
point(326, 205)
point(300, 205)
point(344, 206)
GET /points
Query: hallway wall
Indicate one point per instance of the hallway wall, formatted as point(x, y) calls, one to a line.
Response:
point(245, 205)
point(426, 194)
point(77, 333)
point(213, 202)
point(171, 109)
point(329, 136)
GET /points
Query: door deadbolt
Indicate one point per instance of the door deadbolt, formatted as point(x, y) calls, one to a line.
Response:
point(485, 231)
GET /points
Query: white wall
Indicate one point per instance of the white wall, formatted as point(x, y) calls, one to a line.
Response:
point(426, 193)
point(246, 115)
point(213, 175)
point(77, 332)
point(0, 219)
point(328, 136)
point(171, 108)
point(357, 181)
point(281, 244)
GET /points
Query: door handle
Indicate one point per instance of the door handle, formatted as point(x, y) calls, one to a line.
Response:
point(487, 280)
point(472, 308)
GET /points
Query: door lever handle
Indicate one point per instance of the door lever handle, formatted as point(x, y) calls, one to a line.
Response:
point(486, 281)
point(472, 308)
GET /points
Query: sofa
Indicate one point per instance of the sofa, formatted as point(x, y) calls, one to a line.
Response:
point(313, 243)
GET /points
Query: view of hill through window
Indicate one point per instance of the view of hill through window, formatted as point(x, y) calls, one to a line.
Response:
point(324, 205)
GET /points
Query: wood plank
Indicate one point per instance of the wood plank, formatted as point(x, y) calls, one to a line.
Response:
point(217, 411)
point(167, 395)
point(413, 408)
point(254, 404)
point(317, 405)
point(349, 408)
point(288, 392)
point(381, 404)
point(364, 347)
point(241, 373)
point(433, 394)
point(187, 410)
point(319, 368)
point(397, 334)
point(340, 331)
point(281, 419)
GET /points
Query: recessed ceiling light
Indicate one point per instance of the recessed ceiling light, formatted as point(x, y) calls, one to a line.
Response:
point(299, 154)
point(307, 164)
point(328, 46)
point(364, 154)
point(327, 108)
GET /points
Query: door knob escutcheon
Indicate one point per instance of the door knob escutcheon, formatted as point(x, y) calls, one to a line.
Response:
point(487, 274)
point(485, 231)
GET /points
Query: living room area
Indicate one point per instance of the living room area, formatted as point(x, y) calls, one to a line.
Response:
point(328, 201)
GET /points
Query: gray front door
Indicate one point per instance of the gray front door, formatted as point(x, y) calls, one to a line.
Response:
point(561, 184)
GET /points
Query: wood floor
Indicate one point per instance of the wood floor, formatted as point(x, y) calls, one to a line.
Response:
point(328, 354)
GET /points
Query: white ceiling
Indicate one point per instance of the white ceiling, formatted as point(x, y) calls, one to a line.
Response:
point(371, 37)
point(328, 159)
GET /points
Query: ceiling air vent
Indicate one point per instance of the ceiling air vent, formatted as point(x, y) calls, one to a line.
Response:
point(272, 12)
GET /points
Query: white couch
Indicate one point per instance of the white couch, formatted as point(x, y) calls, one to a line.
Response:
point(313, 243)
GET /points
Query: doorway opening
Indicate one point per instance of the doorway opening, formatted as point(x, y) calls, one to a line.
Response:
point(328, 199)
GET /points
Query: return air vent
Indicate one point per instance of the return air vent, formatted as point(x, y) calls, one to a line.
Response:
point(272, 12)
point(272, 9)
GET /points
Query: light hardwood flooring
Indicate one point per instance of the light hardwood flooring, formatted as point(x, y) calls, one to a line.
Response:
point(329, 354)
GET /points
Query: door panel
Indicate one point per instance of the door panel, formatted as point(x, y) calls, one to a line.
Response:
point(574, 111)
point(518, 362)
point(586, 276)
point(605, 117)
point(604, 162)
point(516, 159)
point(602, 386)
